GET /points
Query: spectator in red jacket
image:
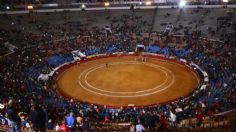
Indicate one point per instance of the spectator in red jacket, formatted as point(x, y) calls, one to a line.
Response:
point(63, 127)
point(199, 118)
point(163, 123)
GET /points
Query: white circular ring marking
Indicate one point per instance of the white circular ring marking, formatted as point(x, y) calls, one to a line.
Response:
point(142, 91)
point(144, 94)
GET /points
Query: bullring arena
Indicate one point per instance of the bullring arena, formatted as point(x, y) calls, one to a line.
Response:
point(125, 81)
point(118, 66)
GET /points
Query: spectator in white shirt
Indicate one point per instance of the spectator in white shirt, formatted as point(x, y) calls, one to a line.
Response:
point(139, 127)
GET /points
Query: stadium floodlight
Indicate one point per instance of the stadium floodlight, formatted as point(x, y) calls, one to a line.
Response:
point(182, 3)
point(8, 7)
point(106, 4)
point(147, 3)
point(30, 7)
point(225, 1)
point(83, 6)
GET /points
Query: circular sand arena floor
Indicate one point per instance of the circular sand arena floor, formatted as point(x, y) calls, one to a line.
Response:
point(126, 82)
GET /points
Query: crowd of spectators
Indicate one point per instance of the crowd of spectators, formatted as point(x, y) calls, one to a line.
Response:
point(31, 104)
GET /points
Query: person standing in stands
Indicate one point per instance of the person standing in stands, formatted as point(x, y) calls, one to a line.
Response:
point(85, 126)
point(50, 125)
point(70, 121)
point(199, 117)
point(63, 127)
point(11, 114)
point(139, 127)
point(132, 127)
point(38, 118)
point(163, 123)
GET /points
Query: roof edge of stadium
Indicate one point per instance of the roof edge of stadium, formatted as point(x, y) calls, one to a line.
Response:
point(41, 10)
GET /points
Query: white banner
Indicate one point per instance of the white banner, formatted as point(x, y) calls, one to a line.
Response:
point(43, 77)
point(77, 54)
